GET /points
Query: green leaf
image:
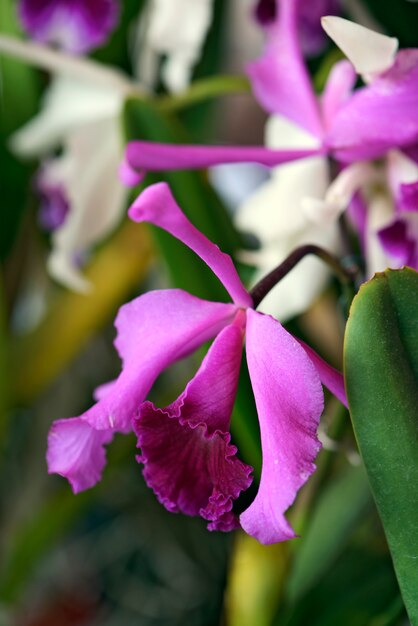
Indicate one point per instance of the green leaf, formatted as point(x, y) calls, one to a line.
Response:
point(381, 370)
point(338, 510)
point(18, 102)
point(359, 590)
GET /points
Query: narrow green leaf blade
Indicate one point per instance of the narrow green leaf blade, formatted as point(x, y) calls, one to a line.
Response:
point(338, 511)
point(381, 370)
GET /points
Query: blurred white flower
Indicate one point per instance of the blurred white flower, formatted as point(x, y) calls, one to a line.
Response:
point(176, 29)
point(274, 214)
point(80, 114)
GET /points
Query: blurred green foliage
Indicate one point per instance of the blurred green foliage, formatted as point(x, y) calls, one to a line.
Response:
point(18, 102)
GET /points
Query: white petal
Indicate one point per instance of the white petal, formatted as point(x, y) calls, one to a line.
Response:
point(340, 192)
point(282, 133)
point(79, 68)
point(380, 214)
point(275, 209)
point(401, 169)
point(62, 268)
point(89, 174)
point(274, 214)
point(368, 51)
point(176, 29)
point(68, 104)
point(177, 71)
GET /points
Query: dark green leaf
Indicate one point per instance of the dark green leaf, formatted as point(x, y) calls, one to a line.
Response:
point(18, 102)
point(358, 590)
point(381, 369)
point(399, 19)
point(338, 510)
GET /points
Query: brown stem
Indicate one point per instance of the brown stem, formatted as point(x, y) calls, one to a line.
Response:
point(262, 288)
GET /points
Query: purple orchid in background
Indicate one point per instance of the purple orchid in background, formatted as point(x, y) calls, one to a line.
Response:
point(54, 202)
point(311, 36)
point(76, 26)
point(185, 448)
point(351, 126)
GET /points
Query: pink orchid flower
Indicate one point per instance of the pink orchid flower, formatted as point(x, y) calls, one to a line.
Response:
point(347, 125)
point(352, 126)
point(188, 458)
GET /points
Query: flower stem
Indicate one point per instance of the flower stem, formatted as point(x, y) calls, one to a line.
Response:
point(204, 89)
point(266, 284)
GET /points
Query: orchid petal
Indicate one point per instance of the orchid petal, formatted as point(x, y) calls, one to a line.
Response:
point(76, 451)
point(68, 104)
point(368, 51)
point(380, 116)
point(176, 30)
point(403, 180)
point(397, 243)
point(274, 212)
point(340, 193)
point(146, 156)
point(209, 397)
point(81, 69)
point(357, 212)
point(283, 134)
point(76, 26)
point(54, 201)
point(408, 197)
point(128, 176)
point(154, 331)
point(411, 152)
point(157, 205)
point(188, 459)
point(161, 327)
point(88, 173)
point(265, 12)
point(330, 377)
point(289, 402)
point(337, 91)
point(279, 78)
point(188, 469)
point(311, 36)
point(379, 215)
